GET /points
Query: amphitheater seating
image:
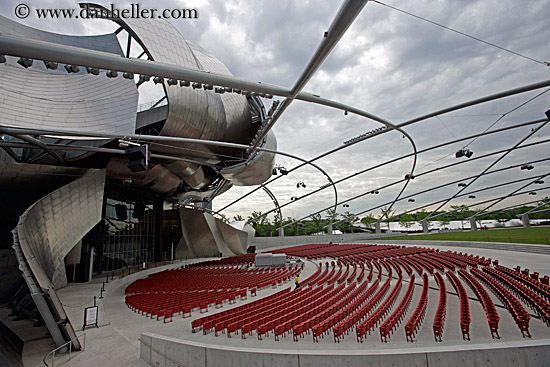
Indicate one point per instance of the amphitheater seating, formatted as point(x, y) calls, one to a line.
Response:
point(537, 302)
point(464, 305)
point(486, 301)
point(354, 287)
point(514, 306)
point(440, 314)
point(418, 315)
point(371, 321)
point(391, 322)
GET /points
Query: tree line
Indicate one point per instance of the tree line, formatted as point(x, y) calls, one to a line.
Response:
point(317, 223)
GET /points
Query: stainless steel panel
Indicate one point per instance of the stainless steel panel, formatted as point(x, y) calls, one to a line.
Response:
point(257, 171)
point(50, 228)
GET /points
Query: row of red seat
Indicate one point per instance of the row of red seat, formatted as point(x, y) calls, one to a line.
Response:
point(334, 313)
point(441, 312)
point(465, 318)
point(533, 299)
point(536, 285)
point(516, 309)
point(365, 307)
point(393, 321)
point(418, 315)
point(486, 301)
point(353, 317)
point(250, 309)
point(376, 317)
point(186, 280)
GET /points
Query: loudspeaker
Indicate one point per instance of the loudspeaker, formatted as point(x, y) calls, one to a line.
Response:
point(139, 210)
point(121, 212)
point(138, 158)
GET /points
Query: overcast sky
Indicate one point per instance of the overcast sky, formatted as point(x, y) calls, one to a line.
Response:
point(389, 64)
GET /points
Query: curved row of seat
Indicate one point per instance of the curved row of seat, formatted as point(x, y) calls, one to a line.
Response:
point(341, 294)
point(518, 312)
point(441, 312)
point(536, 285)
point(180, 280)
point(376, 317)
point(418, 315)
point(533, 299)
point(486, 301)
point(172, 292)
point(393, 321)
point(465, 318)
point(353, 317)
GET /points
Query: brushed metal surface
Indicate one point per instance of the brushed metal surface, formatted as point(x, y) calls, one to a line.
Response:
point(258, 170)
point(50, 228)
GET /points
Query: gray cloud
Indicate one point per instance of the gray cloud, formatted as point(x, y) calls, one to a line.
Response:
point(389, 64)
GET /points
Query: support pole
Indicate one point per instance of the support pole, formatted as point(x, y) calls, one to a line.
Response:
point(525, 220)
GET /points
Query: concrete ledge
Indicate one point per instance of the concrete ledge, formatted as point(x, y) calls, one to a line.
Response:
point(163, 351)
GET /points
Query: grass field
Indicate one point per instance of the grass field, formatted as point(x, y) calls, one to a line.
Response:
point(536, 235)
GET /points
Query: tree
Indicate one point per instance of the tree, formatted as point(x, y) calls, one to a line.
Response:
point(317, 222)
point(369, 220)
point(347, 225)
point(260, 223)
point(386, 213)
point(406, 220)
point(238, 218)
point(224, 218)
point(331, 213)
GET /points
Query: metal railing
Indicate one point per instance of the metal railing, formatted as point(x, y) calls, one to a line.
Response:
point(62, 350)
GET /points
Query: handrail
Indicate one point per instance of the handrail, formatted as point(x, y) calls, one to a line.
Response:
point(70, 343)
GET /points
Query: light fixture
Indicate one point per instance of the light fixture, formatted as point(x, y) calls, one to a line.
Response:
point(228, 89)
point(245, 93)
point(208, 87)
point(93, 71)
point(158, 80)
point(540, 182)
point(464, 152)
point(144, 78)
point(172, 82)
point(274, 172)
point(345, 113)
point(301, 184)
point(462, 184)
point(111, 74)
point(527, 167)
point(532, 193)
point(184, 83)
point(283, 171)
point(236, 90)
point(409, 176)
point(254, 94)
point(261, 94)
point(472, 196)
point(2, 59)
point(346, 205)
point(411, 200)
point(220, 90)
point(293, 198)
point(50, 65)
point(72, 68)
point(25, 62)
point(269, 96)
point(127, 75)
point(197, 85)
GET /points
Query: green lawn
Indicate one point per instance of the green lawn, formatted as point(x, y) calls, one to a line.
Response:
point(537, 235)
